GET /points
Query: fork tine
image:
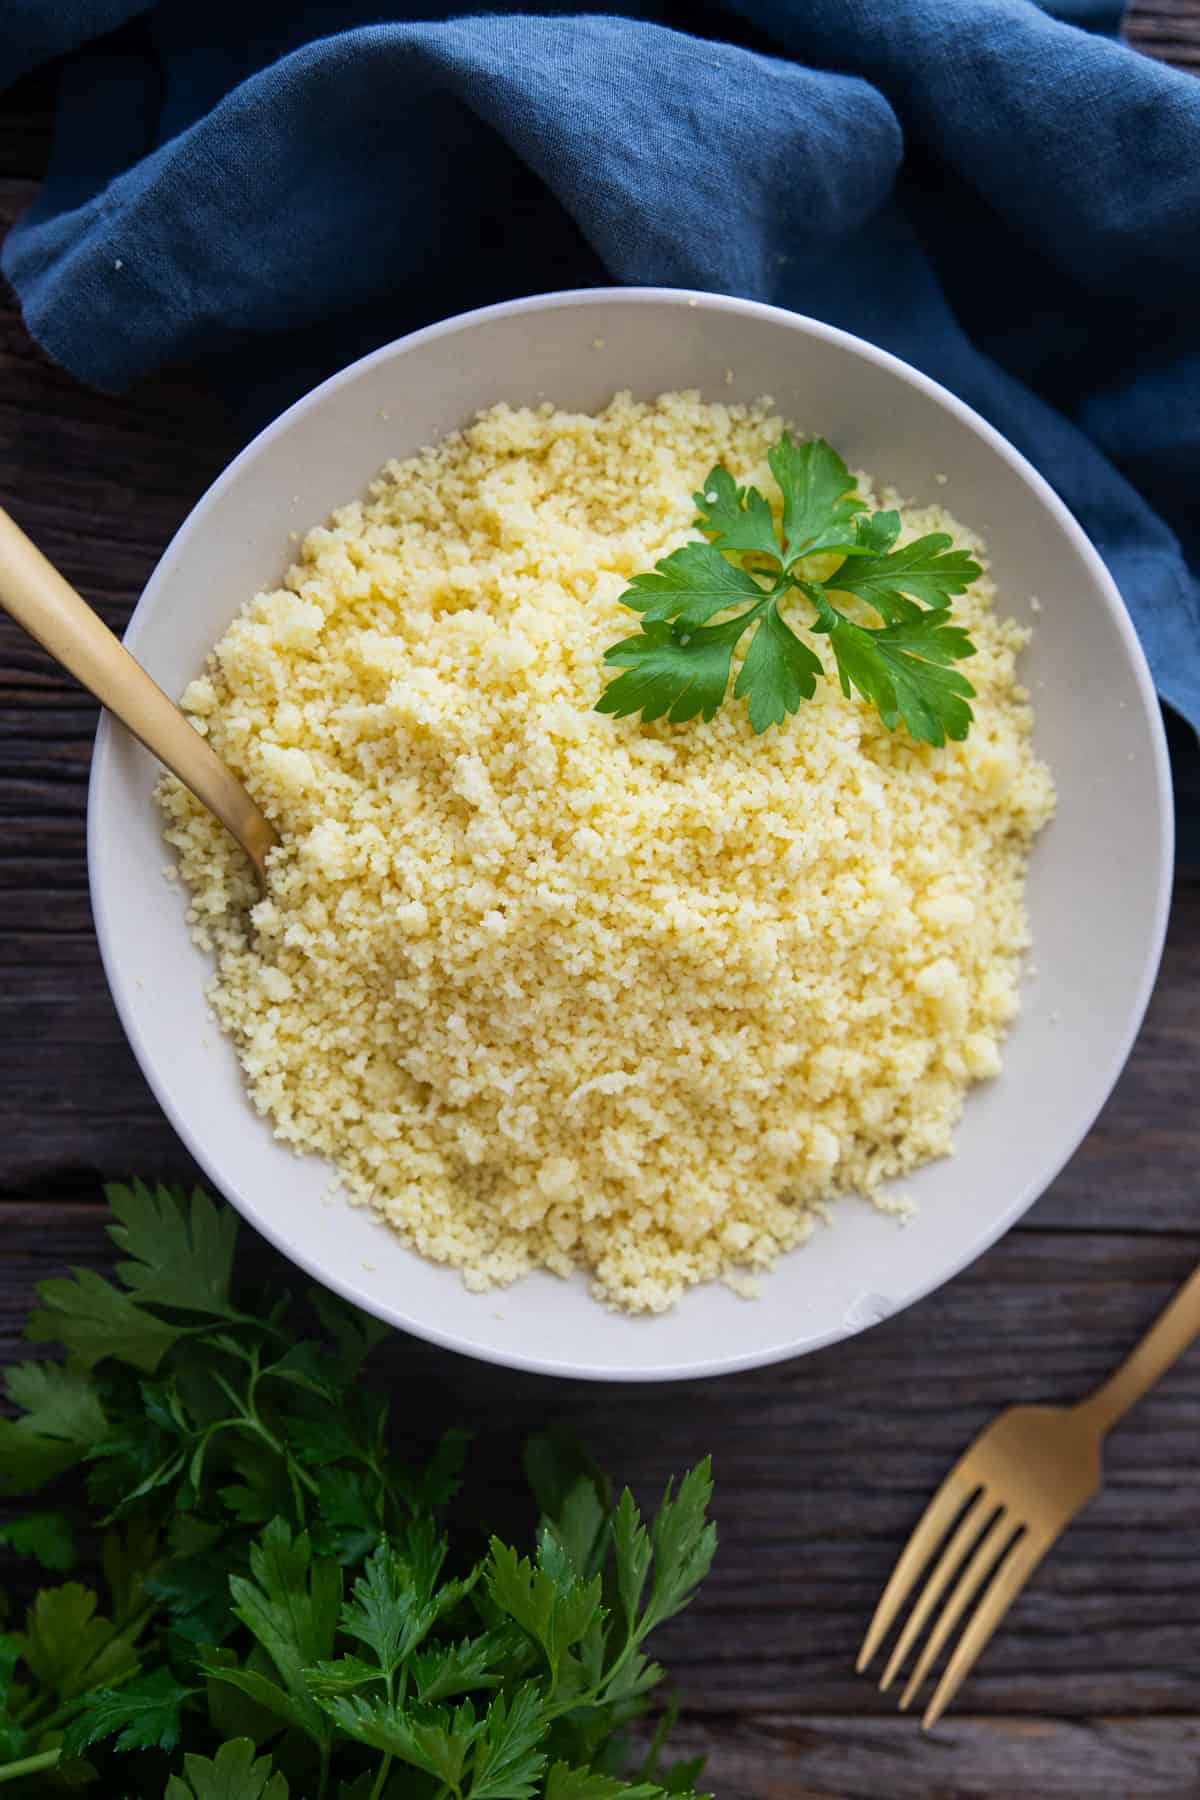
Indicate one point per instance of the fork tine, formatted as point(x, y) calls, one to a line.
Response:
point(969, 1530)
point(1000, 1594)
point(928, 1532)
point(996, 1540)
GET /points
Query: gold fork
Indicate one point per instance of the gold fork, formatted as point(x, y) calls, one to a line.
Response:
point(1003, 1505)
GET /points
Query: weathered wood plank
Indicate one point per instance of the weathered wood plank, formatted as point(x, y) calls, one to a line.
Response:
point(1166, 29)
point(777, 1757)
point(1166, 32)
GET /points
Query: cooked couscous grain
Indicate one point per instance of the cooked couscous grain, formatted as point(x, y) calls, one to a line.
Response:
point(553, 989)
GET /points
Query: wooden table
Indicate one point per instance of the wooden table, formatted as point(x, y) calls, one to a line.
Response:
point(1093, 1688)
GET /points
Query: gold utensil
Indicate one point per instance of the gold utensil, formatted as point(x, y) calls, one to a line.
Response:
point(1002, 1506)
point(45, 603)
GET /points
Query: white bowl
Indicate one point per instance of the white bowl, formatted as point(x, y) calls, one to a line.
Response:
point(1098, 888)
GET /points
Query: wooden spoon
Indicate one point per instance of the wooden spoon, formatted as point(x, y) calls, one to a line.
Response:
point(41, 600)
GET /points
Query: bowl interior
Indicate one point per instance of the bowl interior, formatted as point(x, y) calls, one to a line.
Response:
point(1098, 885)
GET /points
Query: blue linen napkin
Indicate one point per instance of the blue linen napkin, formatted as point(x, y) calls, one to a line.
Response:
point(996, 191)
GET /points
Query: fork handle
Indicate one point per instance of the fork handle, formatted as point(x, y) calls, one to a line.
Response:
point(34, 593)
point(1174, 1331)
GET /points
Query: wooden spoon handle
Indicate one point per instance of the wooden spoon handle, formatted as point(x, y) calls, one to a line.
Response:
point(41, 600)
point(1175, 1330)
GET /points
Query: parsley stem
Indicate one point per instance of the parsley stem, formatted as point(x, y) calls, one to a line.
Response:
point(29, 1765)
point(52, 1720)
point(385, 1768)
point(249, 1420)
point(389, 1688)
point(666, 1722)
point(231, 1394)
point(260, 1325)
point(594, 1694)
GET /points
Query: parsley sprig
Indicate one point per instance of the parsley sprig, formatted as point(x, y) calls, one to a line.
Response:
point(286, 1610)
point(826, 548)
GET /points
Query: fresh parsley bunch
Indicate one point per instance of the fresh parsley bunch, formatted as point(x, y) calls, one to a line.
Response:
point(285, 1612)
point(826, 549)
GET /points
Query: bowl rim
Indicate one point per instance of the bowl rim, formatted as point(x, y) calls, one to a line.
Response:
point(696, 1368)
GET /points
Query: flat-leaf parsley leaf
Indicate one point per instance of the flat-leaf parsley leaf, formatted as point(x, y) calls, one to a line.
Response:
point(289, 1606)
point(697, 606)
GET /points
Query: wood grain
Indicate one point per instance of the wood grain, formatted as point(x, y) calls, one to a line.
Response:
point(1167, 29)
point(1093, 1687)
point(778, 1757)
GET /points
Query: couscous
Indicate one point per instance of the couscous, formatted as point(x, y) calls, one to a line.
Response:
point(552, 989)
